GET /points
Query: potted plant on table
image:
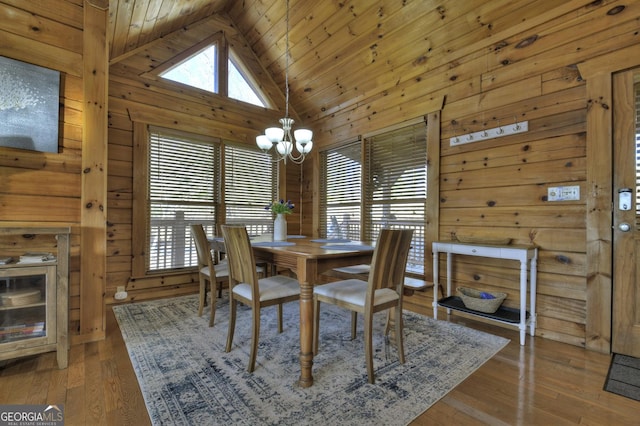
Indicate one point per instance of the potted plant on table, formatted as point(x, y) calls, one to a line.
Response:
point(280, 208)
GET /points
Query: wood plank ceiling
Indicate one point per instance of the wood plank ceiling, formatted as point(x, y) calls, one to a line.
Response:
point(342, 52)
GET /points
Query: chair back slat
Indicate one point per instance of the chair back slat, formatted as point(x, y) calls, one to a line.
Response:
point(203, 249)
point(242, 265)
point(390, 259)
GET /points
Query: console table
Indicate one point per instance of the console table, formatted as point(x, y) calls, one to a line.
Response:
point(526, 255)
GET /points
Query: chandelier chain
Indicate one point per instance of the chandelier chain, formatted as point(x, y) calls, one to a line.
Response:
point(286, 69)
point(280, 139)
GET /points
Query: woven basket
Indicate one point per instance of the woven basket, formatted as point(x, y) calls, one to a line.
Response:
point(472, 300)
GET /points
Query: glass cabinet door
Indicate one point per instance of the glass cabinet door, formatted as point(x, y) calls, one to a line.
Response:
point(23, 304)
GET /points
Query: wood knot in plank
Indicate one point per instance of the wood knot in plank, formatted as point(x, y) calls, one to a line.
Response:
point(500, 45)
point(616, 10)
point(420, 60)
point(527, 42)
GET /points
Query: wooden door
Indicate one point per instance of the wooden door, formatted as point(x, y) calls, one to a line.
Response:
point(626, 214)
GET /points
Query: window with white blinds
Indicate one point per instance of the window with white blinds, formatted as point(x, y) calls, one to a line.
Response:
point(183, 189)
point(395, 186)
point(341, 191)
point(385, 188)
point(250, 184)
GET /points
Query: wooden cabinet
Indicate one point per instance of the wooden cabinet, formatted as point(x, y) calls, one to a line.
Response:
point(34, 300)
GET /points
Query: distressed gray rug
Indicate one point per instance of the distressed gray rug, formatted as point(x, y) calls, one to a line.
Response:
point(187, 378)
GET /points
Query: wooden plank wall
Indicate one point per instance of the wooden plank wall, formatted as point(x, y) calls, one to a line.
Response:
point(43, 189)
point(527, 71)
point(520, 64)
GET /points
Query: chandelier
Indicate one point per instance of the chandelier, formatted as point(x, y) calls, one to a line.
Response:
point(280, 138)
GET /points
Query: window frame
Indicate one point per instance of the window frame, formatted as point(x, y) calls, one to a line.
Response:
point(216, 39)
point(249, 79)
point(140, 220)
point(224, 55)
point(371, 202)
point(431, 124)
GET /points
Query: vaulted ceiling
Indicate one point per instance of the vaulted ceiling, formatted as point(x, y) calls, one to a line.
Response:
point(341, 51)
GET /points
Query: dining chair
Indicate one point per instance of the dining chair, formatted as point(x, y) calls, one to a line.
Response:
point(264, 268)
point(247, 288)
point(208, 271)
point(382, 291)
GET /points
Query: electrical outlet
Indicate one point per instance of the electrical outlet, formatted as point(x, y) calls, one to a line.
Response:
point(563, 193)
point(121, 293)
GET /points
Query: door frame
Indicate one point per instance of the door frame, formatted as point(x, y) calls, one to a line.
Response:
point(598, 73)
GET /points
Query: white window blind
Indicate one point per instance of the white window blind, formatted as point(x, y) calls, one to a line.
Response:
point(250, 182)
point(184, 187)
point(341, 191)
point(395, 188)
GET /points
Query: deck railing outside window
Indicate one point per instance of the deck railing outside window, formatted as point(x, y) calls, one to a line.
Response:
point(348, 228)
point(173, 247)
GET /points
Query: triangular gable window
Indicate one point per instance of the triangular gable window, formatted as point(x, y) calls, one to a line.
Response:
point(198, 71)
point(240, 89)
point(201, 71)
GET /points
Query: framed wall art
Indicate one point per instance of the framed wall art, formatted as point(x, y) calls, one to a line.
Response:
point(29, 106)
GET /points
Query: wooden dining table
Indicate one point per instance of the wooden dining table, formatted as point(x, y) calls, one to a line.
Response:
point(307, 258)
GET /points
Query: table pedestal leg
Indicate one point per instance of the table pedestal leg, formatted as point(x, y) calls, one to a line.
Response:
point(306, 277)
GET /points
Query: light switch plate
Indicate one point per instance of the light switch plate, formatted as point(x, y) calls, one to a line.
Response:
point(563, 193)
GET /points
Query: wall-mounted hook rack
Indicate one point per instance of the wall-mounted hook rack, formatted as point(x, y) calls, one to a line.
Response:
point(496, 132)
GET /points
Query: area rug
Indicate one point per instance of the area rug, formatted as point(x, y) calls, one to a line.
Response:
point(187, 379)
point(624, 376)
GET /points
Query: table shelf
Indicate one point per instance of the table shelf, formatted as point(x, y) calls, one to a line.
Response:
point(30, 305)
point(504, 314)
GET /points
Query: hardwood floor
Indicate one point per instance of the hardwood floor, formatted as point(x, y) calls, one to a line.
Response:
point(98, 388)
point(542, 383)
